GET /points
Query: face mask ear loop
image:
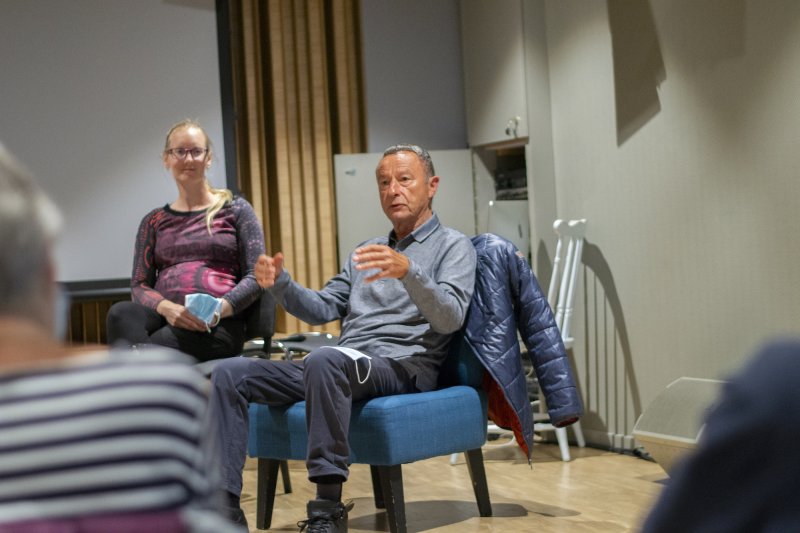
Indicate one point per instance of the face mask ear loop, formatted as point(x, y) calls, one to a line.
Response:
point(355, 355)
point(217, 315)
point(369, 369)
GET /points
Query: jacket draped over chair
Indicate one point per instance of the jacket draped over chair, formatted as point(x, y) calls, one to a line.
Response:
point(507, 300)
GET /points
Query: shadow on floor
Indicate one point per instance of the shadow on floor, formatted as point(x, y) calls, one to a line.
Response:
point(432, 514)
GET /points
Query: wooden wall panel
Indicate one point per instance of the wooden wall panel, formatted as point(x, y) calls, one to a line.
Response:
point(298, 100)
point(86, 323)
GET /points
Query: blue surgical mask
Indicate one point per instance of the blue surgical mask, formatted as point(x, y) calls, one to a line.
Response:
point(205, 307)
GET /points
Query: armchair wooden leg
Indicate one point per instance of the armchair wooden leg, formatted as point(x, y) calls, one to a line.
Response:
point(377, 490)
point(478, 475)
point(265, 491)
point(287, 480)
point(391, 478)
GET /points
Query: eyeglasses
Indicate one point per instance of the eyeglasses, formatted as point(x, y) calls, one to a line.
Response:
point(182, 153)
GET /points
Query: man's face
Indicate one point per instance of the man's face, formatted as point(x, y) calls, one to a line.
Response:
point(404, 191)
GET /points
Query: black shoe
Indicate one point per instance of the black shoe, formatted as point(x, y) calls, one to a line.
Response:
point(325, 516)
point(236, 515)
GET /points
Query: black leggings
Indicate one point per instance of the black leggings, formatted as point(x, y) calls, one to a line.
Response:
point(129, 323)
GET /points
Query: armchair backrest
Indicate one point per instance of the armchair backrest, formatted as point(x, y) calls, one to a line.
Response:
point(260, 318)
point(461, 367)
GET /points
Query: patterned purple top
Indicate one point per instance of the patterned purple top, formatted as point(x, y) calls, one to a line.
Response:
point(175, 256)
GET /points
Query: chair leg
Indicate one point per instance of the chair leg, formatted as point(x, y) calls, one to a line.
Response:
point(287, 480)
point(265, 491)
point(477, 474)
point(576, 427)
point(563, 443)
point(377, 490)
point(391, 478)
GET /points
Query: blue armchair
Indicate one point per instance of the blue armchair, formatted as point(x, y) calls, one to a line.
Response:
point(385, 433)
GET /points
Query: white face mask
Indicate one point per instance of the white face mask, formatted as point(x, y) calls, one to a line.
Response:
point(61, 304)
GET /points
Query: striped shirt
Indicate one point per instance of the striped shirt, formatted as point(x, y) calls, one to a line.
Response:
point(106, 433)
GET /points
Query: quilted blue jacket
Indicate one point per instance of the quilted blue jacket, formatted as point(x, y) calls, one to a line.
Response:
point(508, 299)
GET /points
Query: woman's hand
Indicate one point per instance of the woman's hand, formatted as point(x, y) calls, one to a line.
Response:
point(180, 317)
point(226, 309)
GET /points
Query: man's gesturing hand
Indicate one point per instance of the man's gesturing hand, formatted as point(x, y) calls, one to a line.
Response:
point(389, 263)
point(268, 269)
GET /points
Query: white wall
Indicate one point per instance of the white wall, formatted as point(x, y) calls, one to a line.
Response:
point(98, 82)
point(88, 89)
point(413, 79)
point(692, 254)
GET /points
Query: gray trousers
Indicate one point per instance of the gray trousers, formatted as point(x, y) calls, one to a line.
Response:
point(329, 382)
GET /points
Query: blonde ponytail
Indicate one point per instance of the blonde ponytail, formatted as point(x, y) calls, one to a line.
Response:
point(221, 197)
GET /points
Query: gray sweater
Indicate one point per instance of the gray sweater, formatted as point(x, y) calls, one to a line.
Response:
point(410, 319)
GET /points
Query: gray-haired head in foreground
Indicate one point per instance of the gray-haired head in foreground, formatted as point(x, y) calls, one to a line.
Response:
point(29, 224)
point(422, 154)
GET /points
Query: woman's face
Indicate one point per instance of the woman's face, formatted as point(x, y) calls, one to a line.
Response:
point(187, 155)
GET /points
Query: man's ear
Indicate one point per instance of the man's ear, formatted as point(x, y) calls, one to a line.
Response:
point(433, 186)
point(45, 297)
point(50, 290)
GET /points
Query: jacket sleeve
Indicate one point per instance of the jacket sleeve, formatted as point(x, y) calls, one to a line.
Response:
point(537, 326)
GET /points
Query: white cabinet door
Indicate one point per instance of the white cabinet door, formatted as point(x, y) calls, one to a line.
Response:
point(358, 210)
point(494, 70)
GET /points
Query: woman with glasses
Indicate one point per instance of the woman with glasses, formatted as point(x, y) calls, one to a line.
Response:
point(203, 243)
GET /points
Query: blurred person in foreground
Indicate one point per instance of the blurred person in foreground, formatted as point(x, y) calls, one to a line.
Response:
point(744, 475)
point(91, 440)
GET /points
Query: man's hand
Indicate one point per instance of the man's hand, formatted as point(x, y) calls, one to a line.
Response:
point(389, 263)
point(180, 317)
point(268, 269)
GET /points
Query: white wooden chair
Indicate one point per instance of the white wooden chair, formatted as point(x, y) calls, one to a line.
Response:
point(560, 296)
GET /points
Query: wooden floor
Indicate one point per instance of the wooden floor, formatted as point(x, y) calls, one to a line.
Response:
point(595, 492)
